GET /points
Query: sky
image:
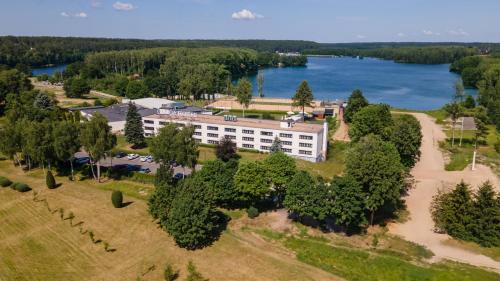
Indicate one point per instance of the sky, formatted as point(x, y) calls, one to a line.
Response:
point(326, 21)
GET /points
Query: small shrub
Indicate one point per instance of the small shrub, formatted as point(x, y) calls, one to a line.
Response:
point(170, 274)
point(193, 275)
point(5, 182)
point(61, 213)
point(50, 180)
point(252, 212)
point(117, 199)
point(21, 187)
point(497, 146)
point(375, 241)
point(91, 235)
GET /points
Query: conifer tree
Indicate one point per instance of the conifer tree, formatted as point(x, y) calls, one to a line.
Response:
point(50, 181)
point(134, 131)
point(486, 223)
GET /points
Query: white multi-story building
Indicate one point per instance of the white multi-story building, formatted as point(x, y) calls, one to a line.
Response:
point(299, 140)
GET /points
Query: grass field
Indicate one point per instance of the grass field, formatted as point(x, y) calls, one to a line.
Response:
point(461, 156)
point(38, 245)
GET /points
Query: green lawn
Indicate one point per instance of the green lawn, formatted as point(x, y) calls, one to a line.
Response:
point(461, 156)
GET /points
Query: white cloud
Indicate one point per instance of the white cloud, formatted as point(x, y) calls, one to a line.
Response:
point(458, 32)
point(120, 6)
point(359, 36)
point(245, 15)
point(430, 33)
point(81, 15)
point(401, 34)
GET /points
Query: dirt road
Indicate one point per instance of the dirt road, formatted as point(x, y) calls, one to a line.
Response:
point(430, 176)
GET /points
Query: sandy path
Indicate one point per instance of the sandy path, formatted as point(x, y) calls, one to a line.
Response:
point(342, 132)
point(430, 176)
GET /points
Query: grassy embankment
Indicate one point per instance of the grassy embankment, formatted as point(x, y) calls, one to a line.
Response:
point(334, 165)
point(51, 249)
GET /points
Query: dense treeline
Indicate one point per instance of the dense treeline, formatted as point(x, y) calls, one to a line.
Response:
point(468, 216)
point(420, 55)
point(483, 73)
point(39, 51)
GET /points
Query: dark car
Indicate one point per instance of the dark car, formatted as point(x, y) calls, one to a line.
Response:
point(120, 154)
point(145, 171)
point(133, 168)
point(179, 176)
point(82, 160)
point(173, 163)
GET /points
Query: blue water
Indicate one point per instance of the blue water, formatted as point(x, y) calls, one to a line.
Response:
point(412, 86)
point(48, 70)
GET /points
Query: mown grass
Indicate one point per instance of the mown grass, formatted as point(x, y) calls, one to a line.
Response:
point(355, 264)
point(334, 164)
point(132, 189)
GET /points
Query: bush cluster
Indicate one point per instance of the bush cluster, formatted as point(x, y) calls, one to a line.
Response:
point(50, 180)
point(21, 187)
point(5, 182)
point(252, 212)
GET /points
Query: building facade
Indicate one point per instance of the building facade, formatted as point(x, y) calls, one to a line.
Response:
point(299, 140)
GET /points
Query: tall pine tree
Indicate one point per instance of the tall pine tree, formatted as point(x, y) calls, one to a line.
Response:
point(134, 131)
point(486, 224)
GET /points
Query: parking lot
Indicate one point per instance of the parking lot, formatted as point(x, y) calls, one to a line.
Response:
point(153, 166)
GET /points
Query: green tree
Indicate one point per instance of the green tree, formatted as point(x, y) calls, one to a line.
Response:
point(452, 212)
point(160, 202)
point(481, 121)
point(485, 226)
point(218, 176)
point(454, 110)
point(260, 84)
point(186, 148)
point(193, 220)
point(406, 135)
point(280, 170)
point(157, 85)
point(50, 181)
point(13, 81)
point(459, 91)
point(120, 85)
point(469, 102)
point(76, 87)
point(303, 96)
point(354, 104)
point(307, 198)
point(117, 199)
point(136, 89)
point(97, 140)
point(66, 141)
point(244, 93)
point(134, 130)
point(376, 165)
point(348, 206)
point(372, 119)
point(251, 182)
point(276, 146)
point(163, 145)
point(225, 149)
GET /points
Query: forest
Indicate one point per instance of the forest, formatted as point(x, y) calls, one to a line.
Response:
point(420, 55)
point(41, 51)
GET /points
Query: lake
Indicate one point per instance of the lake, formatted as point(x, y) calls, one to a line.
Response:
point(48, 70)
point(412, 86)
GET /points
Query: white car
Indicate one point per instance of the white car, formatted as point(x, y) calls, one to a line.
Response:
point(132, 156)
point(150, 159)
point(143, 158)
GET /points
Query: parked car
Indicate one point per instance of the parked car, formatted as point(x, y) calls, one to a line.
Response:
point(143, 158)
point(144, 171)
point(82, 160)
point(120, 154)
point(150, 159)
point(132, 156)
point(133, 168)
point(173, 163)
point(179, 176)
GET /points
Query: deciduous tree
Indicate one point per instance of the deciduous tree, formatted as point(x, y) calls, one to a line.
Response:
point(244, 93)
point(354, 104)
point(406, 135)
point(372, 119)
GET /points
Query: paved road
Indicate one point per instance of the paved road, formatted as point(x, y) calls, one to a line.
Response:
point(120, 161)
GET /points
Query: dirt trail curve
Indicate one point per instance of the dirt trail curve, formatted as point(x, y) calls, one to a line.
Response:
point(430, 176)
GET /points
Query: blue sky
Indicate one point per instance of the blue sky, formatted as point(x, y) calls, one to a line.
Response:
point(317, 20)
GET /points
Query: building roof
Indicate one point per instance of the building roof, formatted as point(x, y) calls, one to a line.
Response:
point(151, 103)
point(242, 122)
point(118, 112)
